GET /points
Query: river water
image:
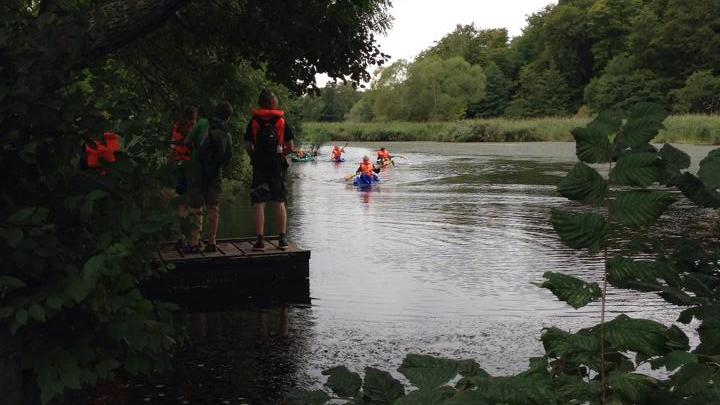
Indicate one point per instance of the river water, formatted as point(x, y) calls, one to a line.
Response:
point(440, 258)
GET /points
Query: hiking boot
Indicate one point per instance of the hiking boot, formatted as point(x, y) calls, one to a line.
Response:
point(259, 245)
point(283, 243)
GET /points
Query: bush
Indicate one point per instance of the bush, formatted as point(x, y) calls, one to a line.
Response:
point(701, 94)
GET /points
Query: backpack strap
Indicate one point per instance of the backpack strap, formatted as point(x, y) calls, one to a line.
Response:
point(278, 122)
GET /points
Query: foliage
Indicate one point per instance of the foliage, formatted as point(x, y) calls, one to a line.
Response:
point(78, 245)
point(701, 94)
point(332, 104)
point(542, 92)
point(607, 363)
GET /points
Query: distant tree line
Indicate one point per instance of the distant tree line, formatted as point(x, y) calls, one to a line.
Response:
point(577, 56)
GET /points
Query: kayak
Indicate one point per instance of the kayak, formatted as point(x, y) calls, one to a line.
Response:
point(385, 162)
point(307, 158)
point(365, 180)
point(338, 160)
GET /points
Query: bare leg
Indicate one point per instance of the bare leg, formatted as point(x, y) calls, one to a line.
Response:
point(259, 217)
point(197, 218)
point(282, 217)
point(214, 220)
point(182, 211)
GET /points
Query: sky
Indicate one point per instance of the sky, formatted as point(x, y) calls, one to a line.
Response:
point(418, 24)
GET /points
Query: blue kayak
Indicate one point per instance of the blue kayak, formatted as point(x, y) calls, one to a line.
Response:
point(338, 160)
point(365, 180)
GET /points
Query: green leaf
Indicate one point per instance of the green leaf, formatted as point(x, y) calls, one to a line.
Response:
point(584, 184)
point(573, 291)
point(675, 159)
point(574, 348)
point(710, 170)
point(622, 272)
point(428, 371)
point(303, 397)
point(592, 143)
point(21, 316)
point(379, 386)
point(37, 313)
point(22, 216)
point(638, 170)
point(54, 302)
point(693, 378)
point(695, 191)
point(13, 236)
point(641, 336)
point(432, 396)
point(633, 387)
point(535, 388)
point(673, 360)
point(709, 331)
point(643, 124)
point(11, 283)
point(468, 398)
point(342, 381)
point(470, 368)
point(578, 231)
point(640, 208)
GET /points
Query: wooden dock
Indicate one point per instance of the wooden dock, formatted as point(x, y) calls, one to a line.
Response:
point(234, 275)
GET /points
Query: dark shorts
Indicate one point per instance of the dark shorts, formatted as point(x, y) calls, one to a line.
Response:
point(204, 192)
point(182, 183)
point(268, 185)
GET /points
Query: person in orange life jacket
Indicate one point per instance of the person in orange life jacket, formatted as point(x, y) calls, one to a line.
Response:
point(367, 168)
point(100, 152)
point(268, 139)
point(383, 154)
point(337, 152)
point(180, 153)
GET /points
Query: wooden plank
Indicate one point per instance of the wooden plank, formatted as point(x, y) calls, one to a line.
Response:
point(229, 249)
point(169, 253)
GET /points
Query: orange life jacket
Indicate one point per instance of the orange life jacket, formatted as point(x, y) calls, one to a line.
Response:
point(383, 154)
point(337, 153)
point(179, 132)
point(103, 150)
point(263, 116)
point(367, 168)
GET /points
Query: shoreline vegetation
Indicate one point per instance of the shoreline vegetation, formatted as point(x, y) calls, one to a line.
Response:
point(687, 129)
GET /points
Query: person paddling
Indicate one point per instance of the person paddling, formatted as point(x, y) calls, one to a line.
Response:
point(367, 168)
point(337, 153)
point(384, 157)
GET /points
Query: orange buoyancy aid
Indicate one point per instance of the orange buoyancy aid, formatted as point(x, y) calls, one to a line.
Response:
point(367, 168)
point(263, 116)
point(104, 150)
point(383, 154)
point(179, 132)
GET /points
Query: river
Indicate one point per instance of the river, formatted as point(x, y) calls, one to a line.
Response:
point(440, 258)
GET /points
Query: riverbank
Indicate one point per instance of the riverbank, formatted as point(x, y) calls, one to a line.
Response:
point(693, 129)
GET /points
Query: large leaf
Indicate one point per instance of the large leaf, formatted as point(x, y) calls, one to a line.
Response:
point(380, 387)
point(573, 291)
point(584, 184)
point(468, 398)
point(623, 272)
point(675, 160)
point(695, 191)
point(673, 360)
point(709, 331)
point(533, 388)
point(641, 336)
point(342, 381)
point(694, 378)
point(575, 390)
point(427, 371)
point(634, 388)
point(710, 170)
point(574, 348)
point(639, 170)
point(303, 397)
point(640, 208)
point(578, 231)
point(592, 143)
point(643, 124)
point(433, 396)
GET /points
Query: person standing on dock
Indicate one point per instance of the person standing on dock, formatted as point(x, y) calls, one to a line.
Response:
point(268, 139)
point(211, 150)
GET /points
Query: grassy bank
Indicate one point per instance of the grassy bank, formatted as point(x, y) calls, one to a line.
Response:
point(697, 129)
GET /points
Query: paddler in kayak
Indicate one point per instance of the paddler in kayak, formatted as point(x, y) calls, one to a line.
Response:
point(384, 157)
point(337, 153)
point(367, 169)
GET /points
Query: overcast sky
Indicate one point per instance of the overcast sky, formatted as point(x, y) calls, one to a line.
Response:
point(419, 23)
